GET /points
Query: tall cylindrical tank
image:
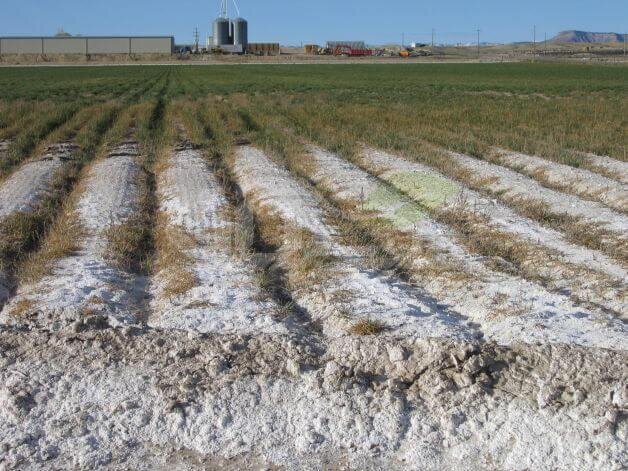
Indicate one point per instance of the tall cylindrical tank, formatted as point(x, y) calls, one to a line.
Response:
point(240, 32)
point(221, 32)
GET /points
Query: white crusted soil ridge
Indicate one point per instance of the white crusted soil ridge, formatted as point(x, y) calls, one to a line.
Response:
point(26, 187)
point(352, 292)
point(143, 400)
point(86, 284)
point(612, 168)
point(225, 299)
point(510, 185)
point(24, 190)
point(436, 191)
point(584, 183)
point(508, 309)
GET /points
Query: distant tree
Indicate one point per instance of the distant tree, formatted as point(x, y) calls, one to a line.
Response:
point(62, 34)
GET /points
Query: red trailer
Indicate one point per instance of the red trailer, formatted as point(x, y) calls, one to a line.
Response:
point(347, 50)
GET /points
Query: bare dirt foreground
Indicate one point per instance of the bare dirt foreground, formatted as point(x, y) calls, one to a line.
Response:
point(200, 366)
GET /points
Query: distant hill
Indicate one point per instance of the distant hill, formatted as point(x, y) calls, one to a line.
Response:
point(587, 37)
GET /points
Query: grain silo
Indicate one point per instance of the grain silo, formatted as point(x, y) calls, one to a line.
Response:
point(240, 32)
point(231, 36)
point(221, 32)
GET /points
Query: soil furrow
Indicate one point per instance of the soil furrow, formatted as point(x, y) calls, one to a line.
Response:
point(508, 308)
point(494, 230)
point(330, 279)
point(200, 285)
point(85, 286)
point(583, 183)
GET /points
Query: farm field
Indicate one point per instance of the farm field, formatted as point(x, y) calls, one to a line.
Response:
point(314, 267)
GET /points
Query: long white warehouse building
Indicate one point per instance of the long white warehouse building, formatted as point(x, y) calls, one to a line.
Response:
point(87, 45)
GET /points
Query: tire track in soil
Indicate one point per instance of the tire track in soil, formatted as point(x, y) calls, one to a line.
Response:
point(349, 293)
point(86, 287)
point(508, 308)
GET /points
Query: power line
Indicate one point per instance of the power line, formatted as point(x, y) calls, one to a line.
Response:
point(478, 31)
point(196, 39)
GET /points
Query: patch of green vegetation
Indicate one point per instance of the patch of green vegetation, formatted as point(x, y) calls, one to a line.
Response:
point(429, 190)
point(392, 204)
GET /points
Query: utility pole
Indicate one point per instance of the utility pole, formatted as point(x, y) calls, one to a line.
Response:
point(624, 44)
point(545, 43)
point(432, 39)
point(534, 45)
point(196, 40)
point(478, 31)
point(403, 40)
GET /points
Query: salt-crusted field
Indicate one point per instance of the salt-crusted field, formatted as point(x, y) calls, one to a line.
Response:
point(314, 273)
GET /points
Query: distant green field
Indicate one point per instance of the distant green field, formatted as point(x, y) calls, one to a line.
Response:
point(549, 108)
point(369, 81)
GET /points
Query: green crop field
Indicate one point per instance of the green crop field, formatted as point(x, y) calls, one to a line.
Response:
point(553, 109)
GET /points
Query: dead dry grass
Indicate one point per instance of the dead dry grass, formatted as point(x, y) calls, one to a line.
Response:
point(173, 262)
point(308, 262)
point(367, 327)
point(576, 230)
point(241, 232)
point(63, 239)
point(22, 308)
point(131, 244)
point(542, 174)
point(505, 251)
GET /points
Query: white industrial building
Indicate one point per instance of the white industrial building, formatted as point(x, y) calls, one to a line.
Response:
point(87, 45)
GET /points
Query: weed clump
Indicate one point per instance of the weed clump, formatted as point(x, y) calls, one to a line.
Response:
point(129, 245)
point(22, 307)
point(308, 261)
point(173, 261)
point(62, 240)
point(367, 327)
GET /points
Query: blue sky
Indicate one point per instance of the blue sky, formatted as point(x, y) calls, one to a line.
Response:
point(294, 22)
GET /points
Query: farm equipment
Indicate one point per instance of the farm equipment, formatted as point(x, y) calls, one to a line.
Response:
point(414, 52)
